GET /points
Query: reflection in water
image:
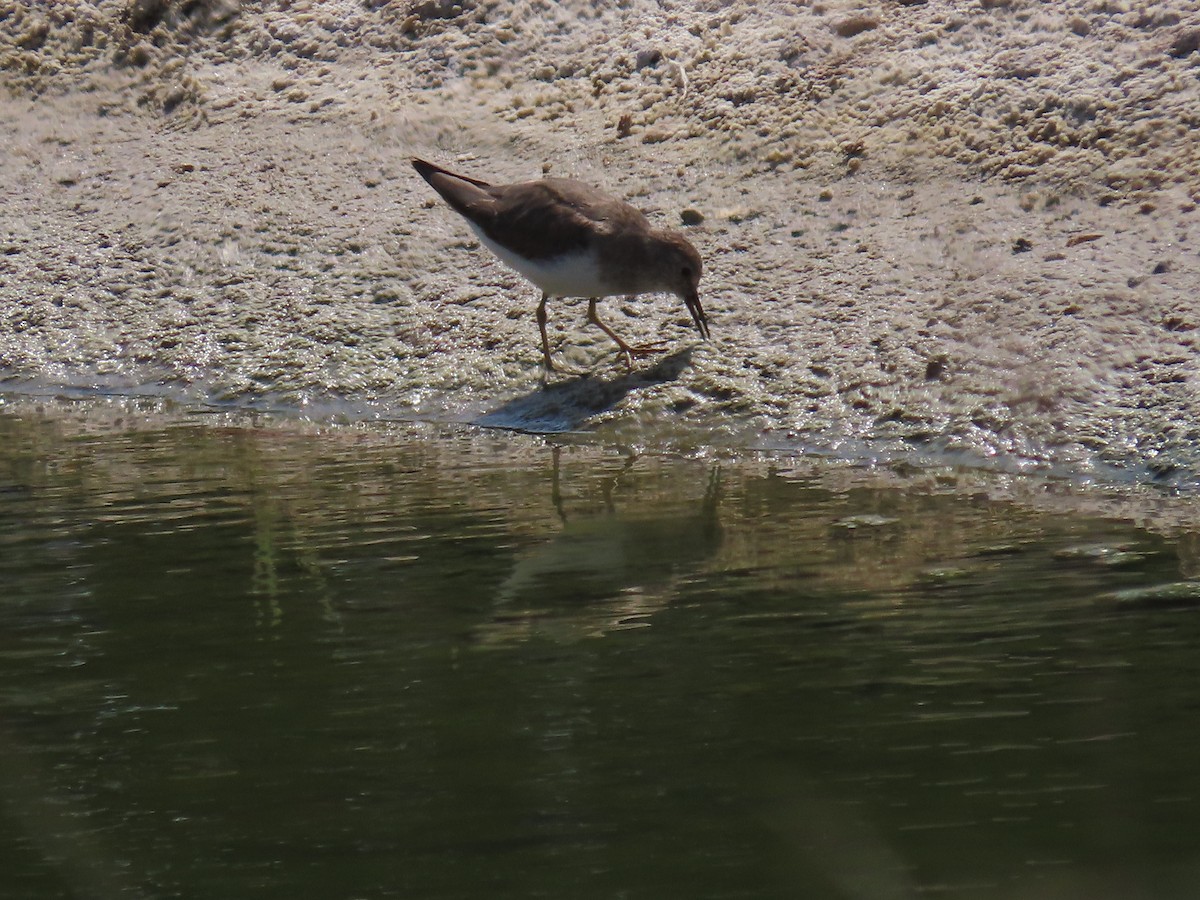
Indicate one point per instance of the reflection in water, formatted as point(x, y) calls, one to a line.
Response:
point(260, 658)
point(606, 569)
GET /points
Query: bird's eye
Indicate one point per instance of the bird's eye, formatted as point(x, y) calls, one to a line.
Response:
point(687, 273)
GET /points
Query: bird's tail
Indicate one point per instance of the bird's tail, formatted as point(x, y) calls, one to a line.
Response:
point(428, 170)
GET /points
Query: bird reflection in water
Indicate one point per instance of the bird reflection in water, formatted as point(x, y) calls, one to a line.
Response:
point(609, 570)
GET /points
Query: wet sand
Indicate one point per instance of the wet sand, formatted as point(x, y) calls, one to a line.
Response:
point(930, 232)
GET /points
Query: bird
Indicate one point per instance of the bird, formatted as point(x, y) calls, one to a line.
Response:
point(573, 240)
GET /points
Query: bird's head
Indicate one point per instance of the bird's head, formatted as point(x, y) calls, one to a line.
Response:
point(681, 268)
point(681, 265)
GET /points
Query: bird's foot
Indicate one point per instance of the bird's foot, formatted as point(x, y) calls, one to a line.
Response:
point(550, 372)
point(628, 353)
point(648, 349)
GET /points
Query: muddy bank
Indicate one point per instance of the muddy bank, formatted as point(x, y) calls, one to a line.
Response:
point(962, 233)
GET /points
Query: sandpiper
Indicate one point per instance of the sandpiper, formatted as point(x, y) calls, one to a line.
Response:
point(572, 240)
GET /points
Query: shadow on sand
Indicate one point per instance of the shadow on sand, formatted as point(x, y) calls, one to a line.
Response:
point(565, 405)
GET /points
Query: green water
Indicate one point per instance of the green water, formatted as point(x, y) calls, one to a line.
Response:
point(254, 658)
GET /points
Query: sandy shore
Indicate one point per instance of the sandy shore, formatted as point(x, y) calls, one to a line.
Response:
point(930, 228)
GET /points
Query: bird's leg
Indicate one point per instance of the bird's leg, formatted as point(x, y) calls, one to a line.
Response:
point(626, 351)
point(541, 320)
point(594, 318)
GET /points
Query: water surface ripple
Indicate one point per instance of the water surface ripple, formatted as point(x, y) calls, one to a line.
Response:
point(250, 658)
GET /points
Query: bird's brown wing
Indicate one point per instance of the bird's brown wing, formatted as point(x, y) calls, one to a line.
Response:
point(545, 219)
point(531, 219)
point(537, 219)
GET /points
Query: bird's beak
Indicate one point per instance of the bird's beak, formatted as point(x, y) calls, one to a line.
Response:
point(692, 300)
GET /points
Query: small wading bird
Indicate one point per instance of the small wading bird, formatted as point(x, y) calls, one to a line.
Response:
point(572, 240)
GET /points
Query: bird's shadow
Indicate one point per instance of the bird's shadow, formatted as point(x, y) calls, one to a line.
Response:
point(565, 405)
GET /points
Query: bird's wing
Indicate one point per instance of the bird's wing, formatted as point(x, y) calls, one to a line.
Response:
point(596, 206)
point(537, 219)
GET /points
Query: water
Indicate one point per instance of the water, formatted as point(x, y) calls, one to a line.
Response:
point(250, 657)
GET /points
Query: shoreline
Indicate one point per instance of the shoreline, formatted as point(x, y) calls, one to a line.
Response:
point(1171, 510)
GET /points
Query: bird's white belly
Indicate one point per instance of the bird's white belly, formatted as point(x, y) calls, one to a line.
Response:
point(572, 275)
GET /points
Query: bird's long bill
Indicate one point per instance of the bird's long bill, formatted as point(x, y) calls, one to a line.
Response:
point(697, 311)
